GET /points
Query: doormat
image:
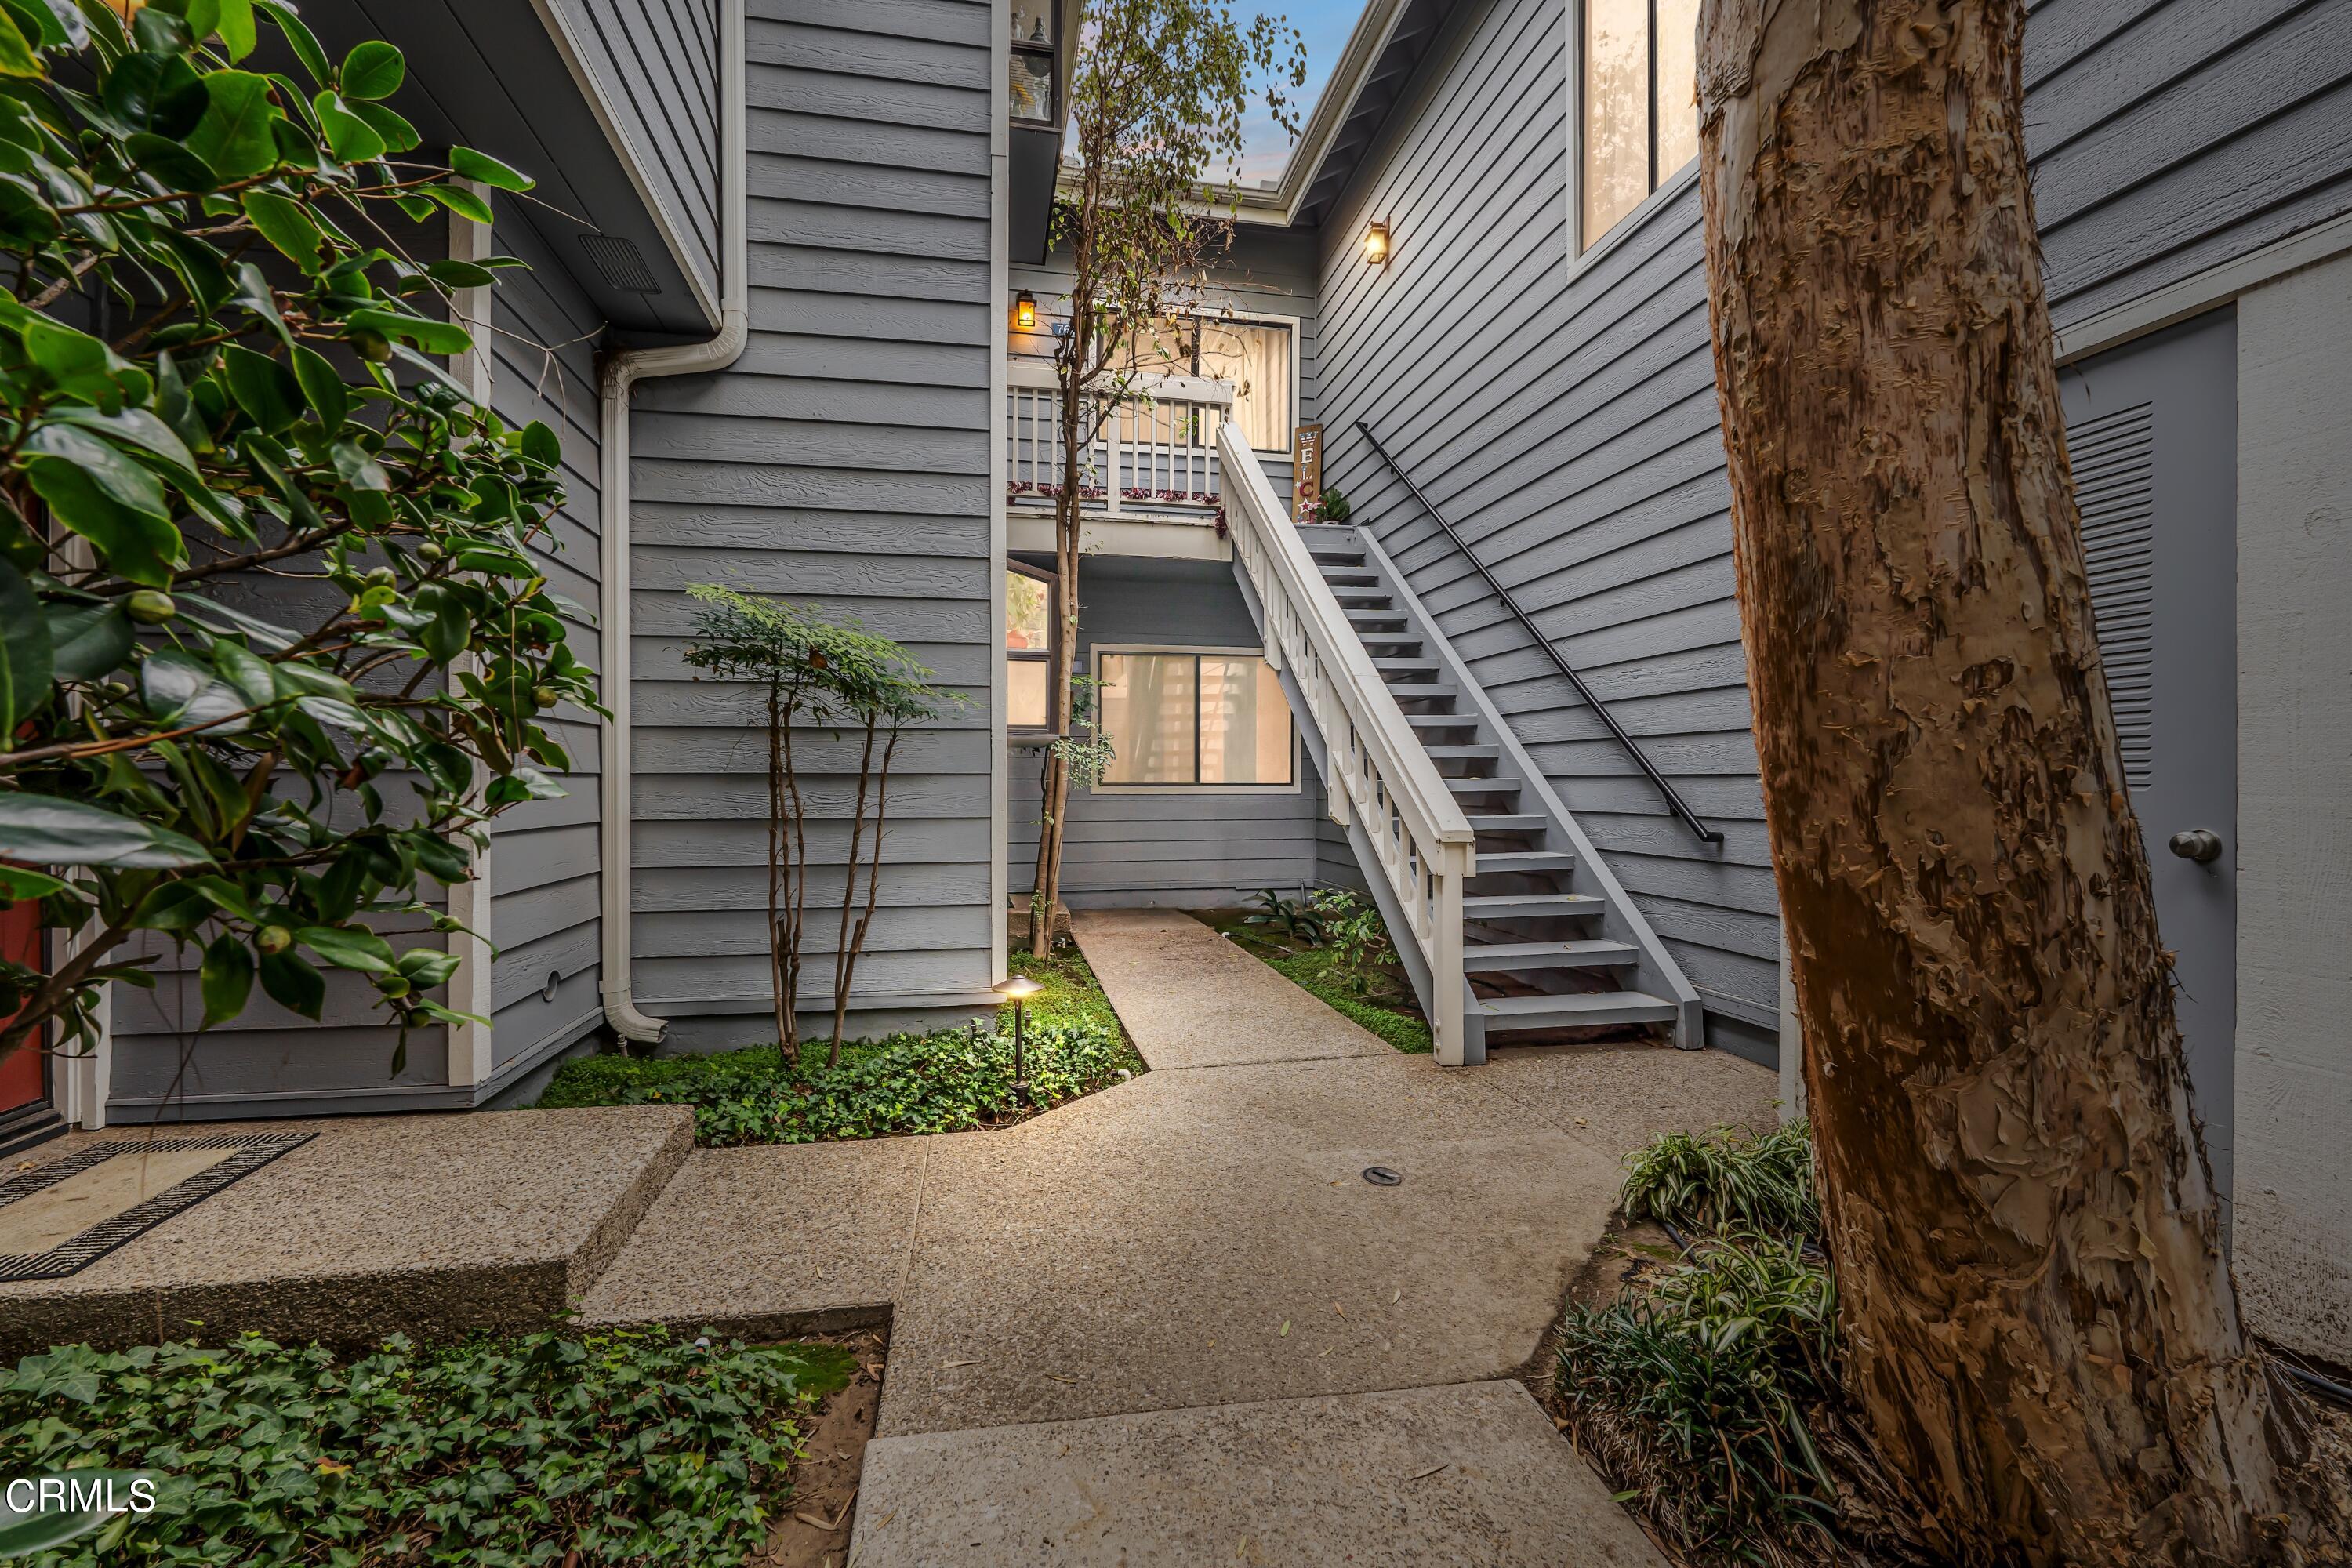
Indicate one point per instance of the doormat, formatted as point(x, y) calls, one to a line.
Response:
point(87, 1175)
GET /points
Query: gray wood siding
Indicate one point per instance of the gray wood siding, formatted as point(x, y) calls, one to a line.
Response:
point(842, 461)
point(1195, 849)
point(544, 882)
point(657, 62)
point(1267, 273)
point(2168, 137)
point(1564, 414)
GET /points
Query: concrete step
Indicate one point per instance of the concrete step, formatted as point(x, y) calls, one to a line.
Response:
point(1501, 957)
point(1584, 1010)
point(1529, 906)
point(1530, 862)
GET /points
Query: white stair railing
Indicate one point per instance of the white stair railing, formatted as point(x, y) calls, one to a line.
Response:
point(1378, 779)
point(1158, 449)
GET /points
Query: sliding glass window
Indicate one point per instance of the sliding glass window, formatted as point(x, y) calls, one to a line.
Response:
point(1195, 720)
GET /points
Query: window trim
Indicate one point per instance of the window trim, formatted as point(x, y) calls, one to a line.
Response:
point(1095, 653)
point(1052, 580)
point(1294, 325)
point(1580, 255)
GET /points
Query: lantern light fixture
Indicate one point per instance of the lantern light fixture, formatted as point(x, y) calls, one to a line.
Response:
point(1024, 311)
point(1376, 244)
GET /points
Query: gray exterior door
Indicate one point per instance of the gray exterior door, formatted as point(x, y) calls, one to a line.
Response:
point(2152, 429)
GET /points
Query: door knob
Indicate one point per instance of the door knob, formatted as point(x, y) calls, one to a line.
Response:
point(2197, 844)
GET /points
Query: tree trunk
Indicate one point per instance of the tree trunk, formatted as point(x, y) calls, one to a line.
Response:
point(2042, 1328)
point(1054, 798)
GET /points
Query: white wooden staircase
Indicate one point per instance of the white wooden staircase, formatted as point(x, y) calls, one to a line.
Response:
point(1511, 926)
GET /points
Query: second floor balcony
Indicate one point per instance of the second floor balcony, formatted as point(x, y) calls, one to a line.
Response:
point(1153, 461)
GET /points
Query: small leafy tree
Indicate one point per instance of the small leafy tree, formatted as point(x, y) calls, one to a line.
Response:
point(815, 674)
point(1156, 96)
point(260, 556)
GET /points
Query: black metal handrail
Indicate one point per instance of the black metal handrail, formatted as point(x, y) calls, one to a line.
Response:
point(1674, 799)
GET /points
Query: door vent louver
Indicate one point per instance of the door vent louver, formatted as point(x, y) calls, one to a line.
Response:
point(621, 262)
point(2114, 460)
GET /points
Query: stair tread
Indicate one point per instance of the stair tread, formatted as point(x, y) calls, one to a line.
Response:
point(1387, 664)
point(1443, 721)
point(1489, 957)
point(1527, 860)
point(1468, 752)
point(1482, 786)
point(1576, 1009)
point(1376, 615)
point(1501, 903)
point(1510, 822)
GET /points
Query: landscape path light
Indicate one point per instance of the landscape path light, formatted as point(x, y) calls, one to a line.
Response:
point(1018, 989)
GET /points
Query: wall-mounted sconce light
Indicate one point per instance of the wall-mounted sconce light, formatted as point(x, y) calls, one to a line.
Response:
point(1025, 311)
point(1376, 244)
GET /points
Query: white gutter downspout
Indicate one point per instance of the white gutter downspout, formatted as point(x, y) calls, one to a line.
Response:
point(621, 372)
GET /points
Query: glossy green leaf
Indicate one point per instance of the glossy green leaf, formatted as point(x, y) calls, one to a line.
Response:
point(41, 830)
point(227, 978)
point(125, 482)
point(489, 171)
point(432, 337)
point(322, 387)
point(345, 947)
point(541, 445)
point(459, 200)
point(399, 135)
point(139, 545)
point(354, 140)
point(234, 137)
point(459, 274)
point(88, 641)
point(372, 69)
point(42, 24)
point(26, 655)
point(285, 224)
point(292, 984)
point(263, 387)
point(18, 57)
point(238, 32)
point(18, 884)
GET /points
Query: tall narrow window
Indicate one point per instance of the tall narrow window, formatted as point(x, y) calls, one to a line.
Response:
point(1028, 648)
point(1639, 97)
point(1195, 720)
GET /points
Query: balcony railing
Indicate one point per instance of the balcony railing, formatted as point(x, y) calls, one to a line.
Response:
point(1156, 452)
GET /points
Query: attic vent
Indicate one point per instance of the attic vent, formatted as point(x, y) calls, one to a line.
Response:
point(2115, 482)
point(622, 263)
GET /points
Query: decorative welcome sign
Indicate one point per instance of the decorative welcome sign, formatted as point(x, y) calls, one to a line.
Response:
point(1307, 475)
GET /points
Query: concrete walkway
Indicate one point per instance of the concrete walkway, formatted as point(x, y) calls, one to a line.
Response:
point(1172, 1323)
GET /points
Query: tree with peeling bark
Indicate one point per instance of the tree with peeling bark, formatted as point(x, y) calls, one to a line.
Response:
point(1156, 96)
point(2043, 1333)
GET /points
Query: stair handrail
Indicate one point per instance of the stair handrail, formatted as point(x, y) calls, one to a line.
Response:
point(1633, 748)
point(1379, 776)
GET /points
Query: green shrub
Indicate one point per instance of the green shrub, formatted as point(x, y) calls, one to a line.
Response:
point(628, 1447)
point(1727, 1178)
point(1698, 1393)
point(949, 1082)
